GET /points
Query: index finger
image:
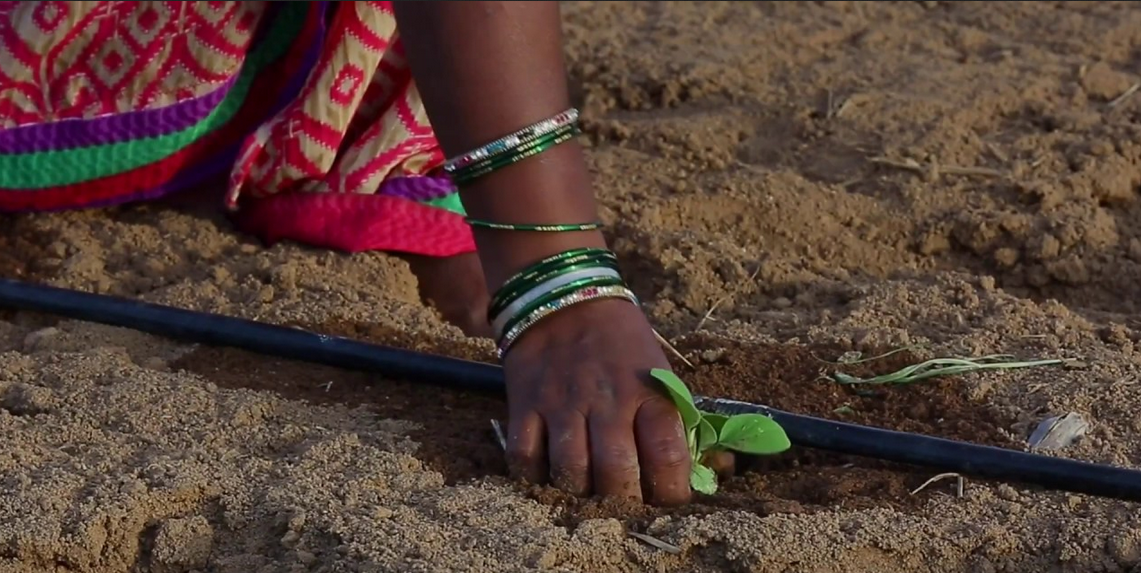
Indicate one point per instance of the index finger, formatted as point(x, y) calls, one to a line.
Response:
point(662, 452)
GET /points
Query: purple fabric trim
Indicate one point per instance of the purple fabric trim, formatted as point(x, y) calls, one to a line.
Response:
point(418, 189)
point(223, 160)
point(76, 133)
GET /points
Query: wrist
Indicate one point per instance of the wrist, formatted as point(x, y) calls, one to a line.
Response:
point(503, 254)
point(569, 324)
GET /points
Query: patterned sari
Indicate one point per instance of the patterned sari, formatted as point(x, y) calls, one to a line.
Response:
point(306, 109)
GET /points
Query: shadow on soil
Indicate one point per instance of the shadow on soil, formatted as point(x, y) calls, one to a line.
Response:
point(458, 440)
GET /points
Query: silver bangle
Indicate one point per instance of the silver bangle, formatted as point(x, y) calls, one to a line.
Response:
point(512, 141)
point(545, 287)
point(584, 295)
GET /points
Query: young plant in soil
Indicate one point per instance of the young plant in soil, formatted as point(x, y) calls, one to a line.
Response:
point(937, 367)
point(708, 433)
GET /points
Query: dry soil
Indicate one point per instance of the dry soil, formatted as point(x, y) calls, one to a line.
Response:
point(785, 182)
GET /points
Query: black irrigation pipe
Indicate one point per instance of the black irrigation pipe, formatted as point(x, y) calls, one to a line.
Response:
point(291, 343)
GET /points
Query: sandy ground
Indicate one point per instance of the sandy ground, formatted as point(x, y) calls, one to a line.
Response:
point(862, 175)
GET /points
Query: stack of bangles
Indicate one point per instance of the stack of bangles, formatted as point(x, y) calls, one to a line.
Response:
point(558, 281)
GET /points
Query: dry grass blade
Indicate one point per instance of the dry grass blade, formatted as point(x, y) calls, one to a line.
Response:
point(713, 308)
point(933, 171)
point(940, 477)
point(1125, 95)
point(665, 343)
point(655, 542)
point(972, 171)
point(856, 359)
point(499, 435)
point(909, 164)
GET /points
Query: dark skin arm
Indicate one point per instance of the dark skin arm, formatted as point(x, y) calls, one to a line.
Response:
point(583, 412)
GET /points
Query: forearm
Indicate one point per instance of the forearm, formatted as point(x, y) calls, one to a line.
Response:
point(486, 69)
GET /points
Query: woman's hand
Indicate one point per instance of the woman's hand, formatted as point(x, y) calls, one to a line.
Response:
point(583, 410)
point(585, 414)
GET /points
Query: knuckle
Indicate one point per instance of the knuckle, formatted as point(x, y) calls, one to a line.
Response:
point(572, 477)
point(618, 459)
point(673, 460)
point(569, 470)
point(666, 452)
point(519, 455)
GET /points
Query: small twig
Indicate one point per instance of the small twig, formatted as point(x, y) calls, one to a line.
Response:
point(997, 153)
point(972, 171)
point(662, 340)
point(499, 436)
point(328, 385)
point(909, 164)
point(933, 169)
point(655, 542)
point(1125, 95)
point(709, 313)
point(843, 107)
point(958, 485)
point(750, 167)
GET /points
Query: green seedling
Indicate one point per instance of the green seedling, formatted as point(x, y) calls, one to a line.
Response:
point(856, 357)
point(708, 432)
point(944, 367)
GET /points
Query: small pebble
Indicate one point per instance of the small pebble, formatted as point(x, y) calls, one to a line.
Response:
point(290, 539)
point(155, 363)
point(34, 340)
point(306, 557)
point(713, 355)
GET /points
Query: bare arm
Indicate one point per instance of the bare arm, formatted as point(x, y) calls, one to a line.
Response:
point(485, 69)
point(582, 412)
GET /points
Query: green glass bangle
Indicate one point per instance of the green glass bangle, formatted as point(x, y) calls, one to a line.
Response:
point(520, 148)
point(523, 147)
point(540, 228)
point(512, 140)
point(558, 293)
point(508, 159)
point(540, 273)
point(580, 296)
point(572, 256)
point(469, 176)
point(505, 299)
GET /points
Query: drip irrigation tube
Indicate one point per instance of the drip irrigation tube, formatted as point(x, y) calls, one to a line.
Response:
point(291, 343)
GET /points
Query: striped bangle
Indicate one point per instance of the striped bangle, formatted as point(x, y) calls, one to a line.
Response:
point(544, 288)
point(487, 167)
point(555, 294)
point(540, 228)
point(542, 141)
point(545, 268)
point(579, 296)
point(511, 141)
point(511, 291)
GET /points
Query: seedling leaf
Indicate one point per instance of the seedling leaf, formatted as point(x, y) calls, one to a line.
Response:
point(715, 420)
point(755, 434)
point(680, 396)
point(706, 435)
point(703, 479)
